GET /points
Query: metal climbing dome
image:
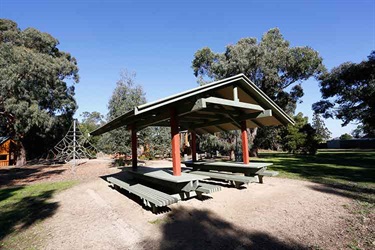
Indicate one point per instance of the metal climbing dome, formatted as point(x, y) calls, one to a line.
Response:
point(73, 146)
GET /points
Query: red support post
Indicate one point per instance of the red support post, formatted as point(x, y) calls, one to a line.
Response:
point(245, 146)
point(134, 148)
point(176, 157)
point(193, 146)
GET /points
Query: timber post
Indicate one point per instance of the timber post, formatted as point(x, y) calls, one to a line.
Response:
point(176, 157)
point(134, 148)
point(193, 146)
point(245, 146)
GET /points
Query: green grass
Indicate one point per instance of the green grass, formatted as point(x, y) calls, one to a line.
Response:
point(351, 172)
point(347, 173)
point(22, 208)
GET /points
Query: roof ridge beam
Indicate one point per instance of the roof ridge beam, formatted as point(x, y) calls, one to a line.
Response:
point(233, 104)
point(252, 116)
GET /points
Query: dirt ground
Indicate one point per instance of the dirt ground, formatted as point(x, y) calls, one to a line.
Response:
point(279, 214)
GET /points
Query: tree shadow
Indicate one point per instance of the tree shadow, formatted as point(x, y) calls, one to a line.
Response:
point(341, 173)
point(202, 229)
point(348, 191)
point(15, 216)
point(10, 176)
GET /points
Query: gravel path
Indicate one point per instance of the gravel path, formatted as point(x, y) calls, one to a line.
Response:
point(280, 214)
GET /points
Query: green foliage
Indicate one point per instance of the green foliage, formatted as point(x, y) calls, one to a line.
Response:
point(322, 132)
point(157, 141)
point(125, 97)
point(36, 101)
point(91, 121)
point(271, 64)
point(274, 66)
point(348, 93)
point(300, 138)
point(223, 142)
point(358, 132)
point(268, 138)
point(346, 136)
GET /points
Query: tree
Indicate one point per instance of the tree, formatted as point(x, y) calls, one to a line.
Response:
point(358, 132)
point(91, 121)
point(301, 138)
point(322, 132)
point(274, 66)
point(346, 136)
point(125, 97)
point(348, 94)
point(36, 88)
point(157, 141)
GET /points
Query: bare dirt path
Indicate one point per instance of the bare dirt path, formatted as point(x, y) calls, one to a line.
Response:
point(280, 214)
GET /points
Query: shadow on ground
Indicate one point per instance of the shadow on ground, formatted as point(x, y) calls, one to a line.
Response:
point(202, 229)
point(12, 175)
point(15, 216)
point(341, 173)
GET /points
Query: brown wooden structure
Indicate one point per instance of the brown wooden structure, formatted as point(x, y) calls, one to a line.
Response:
point(234, 103)
point(8, 149)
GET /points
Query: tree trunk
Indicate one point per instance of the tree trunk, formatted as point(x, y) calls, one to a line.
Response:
point(252, 134)
point(232, 155)
point(20, 155)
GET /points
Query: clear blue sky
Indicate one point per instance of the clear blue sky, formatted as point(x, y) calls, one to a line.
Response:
point(158, 39)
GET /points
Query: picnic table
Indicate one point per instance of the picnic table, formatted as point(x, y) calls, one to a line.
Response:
point(258, 169)
point(164, 177)
point(250, 169)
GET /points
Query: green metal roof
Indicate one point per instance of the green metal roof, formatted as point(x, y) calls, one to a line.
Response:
point(218, 106)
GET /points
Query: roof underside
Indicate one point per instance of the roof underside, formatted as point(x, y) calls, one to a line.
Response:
point(215, 107)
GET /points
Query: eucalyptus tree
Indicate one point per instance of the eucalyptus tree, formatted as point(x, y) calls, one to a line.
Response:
point(322, 131)
point(125, 97)
point(348, 94)
point(36, 88)
point(89, 122)
point(272, 64)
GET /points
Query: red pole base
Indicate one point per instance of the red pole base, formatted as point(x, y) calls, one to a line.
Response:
point(176, 157)
point(245, 145)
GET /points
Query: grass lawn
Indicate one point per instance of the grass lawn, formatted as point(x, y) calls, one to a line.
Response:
point(348, 170)
point(22, 208)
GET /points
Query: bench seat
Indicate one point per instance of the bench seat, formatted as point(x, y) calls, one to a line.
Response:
point(151, 197)
point(237, 179)
point(207, 188)
point(268, 173)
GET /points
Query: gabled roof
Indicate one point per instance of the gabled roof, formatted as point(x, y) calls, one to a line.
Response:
point(218, 106)
point(3, 139)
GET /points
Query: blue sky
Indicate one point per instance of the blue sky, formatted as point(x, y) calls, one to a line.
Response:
point(158, 39)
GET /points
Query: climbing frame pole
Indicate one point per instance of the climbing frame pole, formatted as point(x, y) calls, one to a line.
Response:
point(193, 145)
point(134, 147)
point(176, 158)
point(245, 146)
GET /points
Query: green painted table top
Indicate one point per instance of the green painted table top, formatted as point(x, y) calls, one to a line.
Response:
point(166, 174)
point(230, 164)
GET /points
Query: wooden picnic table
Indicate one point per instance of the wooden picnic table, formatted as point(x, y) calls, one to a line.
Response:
point(164, 177)
point(251, 169)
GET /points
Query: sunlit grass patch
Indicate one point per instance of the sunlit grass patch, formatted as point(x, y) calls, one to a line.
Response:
point(23, 207)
